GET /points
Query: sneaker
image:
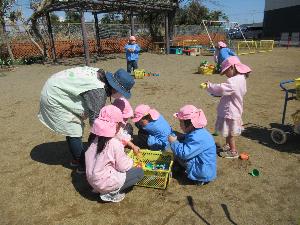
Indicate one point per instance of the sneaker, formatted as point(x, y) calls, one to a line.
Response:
point(112, 197)
point(80, 170)
point(74, 163)
point(200, 183)
point(229, 154)
point(225, 148)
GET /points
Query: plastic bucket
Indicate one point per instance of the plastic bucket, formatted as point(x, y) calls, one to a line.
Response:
point(297, 84)
point(254, 173)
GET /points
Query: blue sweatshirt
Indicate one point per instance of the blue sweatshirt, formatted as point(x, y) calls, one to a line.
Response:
point(198, 149)
point(158, 132)
point(130, 56)
point(224, 54)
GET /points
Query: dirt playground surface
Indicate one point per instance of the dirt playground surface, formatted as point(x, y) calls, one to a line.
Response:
point(38, 186)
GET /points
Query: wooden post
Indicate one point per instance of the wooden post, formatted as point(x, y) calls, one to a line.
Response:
point(132, 23)
point(97, 33)
point(167, 37)
point(52, 43)
point(171, 25)
point(85, 41)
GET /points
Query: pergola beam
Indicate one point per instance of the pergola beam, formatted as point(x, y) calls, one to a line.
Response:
point(111, 5)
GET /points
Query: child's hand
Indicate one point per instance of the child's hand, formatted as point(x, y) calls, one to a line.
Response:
point(136, 150)
point(172, 138)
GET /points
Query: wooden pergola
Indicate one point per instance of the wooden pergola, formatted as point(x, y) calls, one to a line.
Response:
point(132, 7)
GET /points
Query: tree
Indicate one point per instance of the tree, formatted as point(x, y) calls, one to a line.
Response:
point(5, 9)
point(192, 13)
point(72, 17)
point(54, 18)
point(217, 15)
point(111, 18)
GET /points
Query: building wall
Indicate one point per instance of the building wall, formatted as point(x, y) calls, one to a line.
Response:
point(278, 4)
point(281, 16)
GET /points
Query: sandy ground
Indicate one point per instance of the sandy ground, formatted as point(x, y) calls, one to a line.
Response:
point(38, 186)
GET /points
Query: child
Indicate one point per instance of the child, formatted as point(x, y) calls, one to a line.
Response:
point(222, 53)
point(126, 129)
point(230, 108)
point(153, 128)
point(108, 169)
point(132, 50)
point(197, 151)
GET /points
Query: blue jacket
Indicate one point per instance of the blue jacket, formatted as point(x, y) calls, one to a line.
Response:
point(158, 132)
point(198, 149)
point(130, 56)
point(224, 54)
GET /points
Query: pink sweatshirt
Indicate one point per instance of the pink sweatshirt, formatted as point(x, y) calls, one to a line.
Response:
point(106, 171)
point(232, 92)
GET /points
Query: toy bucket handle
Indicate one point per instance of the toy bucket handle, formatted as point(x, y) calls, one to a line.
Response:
point(282, 83)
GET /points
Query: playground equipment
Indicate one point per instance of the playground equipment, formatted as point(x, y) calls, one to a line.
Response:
point(279, 134)
point(265, 45)
point(246, 47)
point(226, 27)
point(250, 47)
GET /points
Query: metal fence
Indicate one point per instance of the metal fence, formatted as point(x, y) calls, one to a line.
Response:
point(72, 31)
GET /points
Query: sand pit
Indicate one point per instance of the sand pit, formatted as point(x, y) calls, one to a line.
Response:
point(38, 186)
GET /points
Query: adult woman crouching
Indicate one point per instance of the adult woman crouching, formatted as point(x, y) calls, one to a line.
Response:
point(73, 95)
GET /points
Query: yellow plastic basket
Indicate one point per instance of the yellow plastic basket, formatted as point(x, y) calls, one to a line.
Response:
point(154, 178)
point(206, 70)
point(297, 84)
point(139, 73)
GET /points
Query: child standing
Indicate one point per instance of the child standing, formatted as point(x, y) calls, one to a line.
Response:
point(230, 108)
point(132, 50)
point(153, 128)
point(197, 151)
point(126, 129)
point(108, 169)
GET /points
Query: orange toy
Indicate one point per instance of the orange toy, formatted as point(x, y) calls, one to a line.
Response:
point(244, 156)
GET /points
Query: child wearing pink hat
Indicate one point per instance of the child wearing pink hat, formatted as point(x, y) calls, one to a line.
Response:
point(153, 128)
point(132, 50)
point(108, 169)
point(197, 150)
point(230, 108)
point(126, 130)
point(222, 53)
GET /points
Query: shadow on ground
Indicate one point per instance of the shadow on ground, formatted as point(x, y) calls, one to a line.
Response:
point(262, 134)
point(57, 153)
point(52, 153)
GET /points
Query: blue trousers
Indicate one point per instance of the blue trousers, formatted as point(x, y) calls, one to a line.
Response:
point(131, 65)
point(76, 148)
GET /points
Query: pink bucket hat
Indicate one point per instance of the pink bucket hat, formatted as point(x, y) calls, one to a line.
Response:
point(143, 110)
point(234, 61)
point(190, 112)
point(221, 44)
point(132, 38)
point(125, 107)
point(106, 124)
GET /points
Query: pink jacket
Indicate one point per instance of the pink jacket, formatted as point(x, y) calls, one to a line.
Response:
point(232, 92)
point(106, 171)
